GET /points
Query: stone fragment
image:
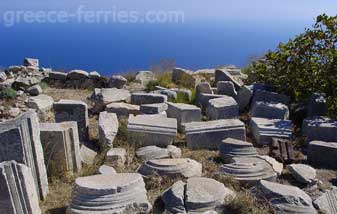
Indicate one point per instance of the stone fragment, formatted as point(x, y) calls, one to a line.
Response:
point(107, 194)
point(224, 75)
point(209, 134)
point(14, 112)
point(302, 173)
point(123, 110)
point(204, 88)
point(20, 141)
point(317, 105)
point(222, 108)
point(147, 130)
point(18, 191)
point(282, 150)
point(155, 152)
point(230, 148)
point(3, 76)
point(226, 88)
point(171, 95)
point(264, 129)
point(94, 75)
point(183, 92)
point(41, 102)
point(174, 198)
point(140, 98)
point(327, 203)
point(106, 170)
point(270, 110)
point(184, 167)
point(202, 100)
point(144, 77)
point(115, 157)
point(34, 90)
point(107, 128)
point(322, 154)
point(88, 154)
point(56, 75)
point(104, 96)
point(25, 82)
point(277, 166)
point(271, 97)
point(77, 75)
point(155, 108)
point(285, 198)
point(31, 62)
point(117, 81)
point(321, 129)
point(243, 97)
point(61, 147)
point(184, 113)
point(249, 170)
point(73, 110)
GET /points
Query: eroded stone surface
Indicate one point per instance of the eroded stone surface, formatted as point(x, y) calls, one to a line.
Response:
point(321, 129)
point(271, 97)
point(115, 157)
point(123, 110)
point(144, 77)
point(117, 81)
point(107, 128)
point(230, 148)
point(270, 110)
point(322, 154)
point(41, 103)
point(302, 173)
point(243, 97)
point(184, 113)
point(222, 108)
point(106, 170)
point(140, 98)
point(327, 203)
point(104, 96)
point(77, 75)
point(155, 152)
point(226, 88)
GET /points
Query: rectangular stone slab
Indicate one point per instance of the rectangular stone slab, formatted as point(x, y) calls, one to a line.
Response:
point(209, 134)
point(147, 98)
point(323, 154)
point(184, 113)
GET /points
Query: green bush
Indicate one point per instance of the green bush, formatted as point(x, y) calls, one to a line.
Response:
point(8, 93)
point(304, 65)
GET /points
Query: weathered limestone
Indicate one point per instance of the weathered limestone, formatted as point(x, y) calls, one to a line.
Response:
point(184, 167)
point(203, 99)
point(107, 128)
point(285, 198)
point(270, 110)
point(140, 98)
point(77, 75)
point(224, 75)
point(277, 166)
point(155, 108)
point(184, 113)
point(115, 157)
point(106, 170)
point(282, 150)
point(94, 75)
point(34, 90)
point(230, 148)
point(209, 134)
point(117, 81)
point(198, 195)
point(123, 110)
point(18, 191)
point(265, 129)
point(327, 203)
point(322, 154)
point(317, 105)
point(56, 75)
point(88, 154)
point(20, 141)
point(147, 130)
point(31, 62)
point(73, 110)
point(271, 97)
point(144, 77)
point(321, 129)
point(243, 97)
point(104, 96)
point(120, 193)
point(302, 173)
point(203, 88)
point(226, 88)
point(61, 147)
point(249, 170)
point(222, 108)
point(3, 76)
point(155, 152)
point(42, 103)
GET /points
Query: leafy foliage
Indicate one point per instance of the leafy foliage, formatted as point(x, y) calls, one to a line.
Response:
point(304, 65)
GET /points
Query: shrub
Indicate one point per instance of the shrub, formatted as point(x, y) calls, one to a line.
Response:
point(304, 65)
point(8, 93)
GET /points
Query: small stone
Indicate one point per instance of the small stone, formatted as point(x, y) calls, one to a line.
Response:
point(123, 109)
point(302, 173)
point(117, 81)
point(144, 77)
point(34, 90)
point(115, 157)
point(106, 170)
point(107, 128)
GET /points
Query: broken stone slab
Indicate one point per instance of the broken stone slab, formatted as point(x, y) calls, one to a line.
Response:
point(222, 108)
point(171, 95)
point(117, 81)
point(41, 103)
point(197, 195)
point(115, 157)
point(3, 76)
point(140, 98)
point(148, 130)
point(34, 90)
point(249, 170)
point(302, 173)
point(243, 97)
point(155, 152)
point(106, 194)
point(322, 154)
point(87, 153)
point(18, 191)
point(155, 108)
point(230, 148)
point(106, 170)
point(320, 129)
point(77, 75)
point(31, 62)
point(224, 75)
point(123, 110)
point(107, 128)
point(226, 88)
point(204, 88)
point(270, 110)
point(277, 166)
point(282, 150)
point(104, 96)
point(73, 110)
point(327, 203)
point(285, 198)
point(317, 105)
point(271, 97)
point(184, 167)
point(25, 82)
point(264, 129)
point(56, 75)
point(144, 77)
point(203, 99)
point(94, 75)
point(61, 147)
point(184, 113)
point(20, 141)
point(209, 134)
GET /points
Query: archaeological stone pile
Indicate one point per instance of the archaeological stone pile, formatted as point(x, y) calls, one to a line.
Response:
point(258, 143)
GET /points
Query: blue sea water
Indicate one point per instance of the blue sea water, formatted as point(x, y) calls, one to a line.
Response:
point(115, 48)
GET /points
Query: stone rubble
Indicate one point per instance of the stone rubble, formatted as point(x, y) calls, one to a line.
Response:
point(123, 110)
point(302, 173)
point(117, 81)
point(115, 157)
point(184, 113)
point(104, 96)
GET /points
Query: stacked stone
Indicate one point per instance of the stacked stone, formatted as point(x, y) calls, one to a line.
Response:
point(20, 141)
point(147, 130)
point(209, 135)
point(231, 148)
point(222, 108)
point(171, 167)
point(18, 191)
point(107, 128)
point(155, 152)
point(198, 195)
point(106, 194)
point(104, 96)
point(270, 110)
point(184, 113)
point(61, 147)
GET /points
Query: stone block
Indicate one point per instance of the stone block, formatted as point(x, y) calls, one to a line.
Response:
point(184, 113)
point(270, 110)
point(107, 128)
point(222, 108)
point(270, 97)
point(123, 110)
point(155, 108)
point(321, 129)
point(115, 157)
point(226, 88)
point(141, 98)
point(322, 154)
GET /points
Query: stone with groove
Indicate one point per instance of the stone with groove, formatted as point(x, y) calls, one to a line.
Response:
point(230, 148)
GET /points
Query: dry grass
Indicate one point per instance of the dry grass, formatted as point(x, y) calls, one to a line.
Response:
point(71, 94)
